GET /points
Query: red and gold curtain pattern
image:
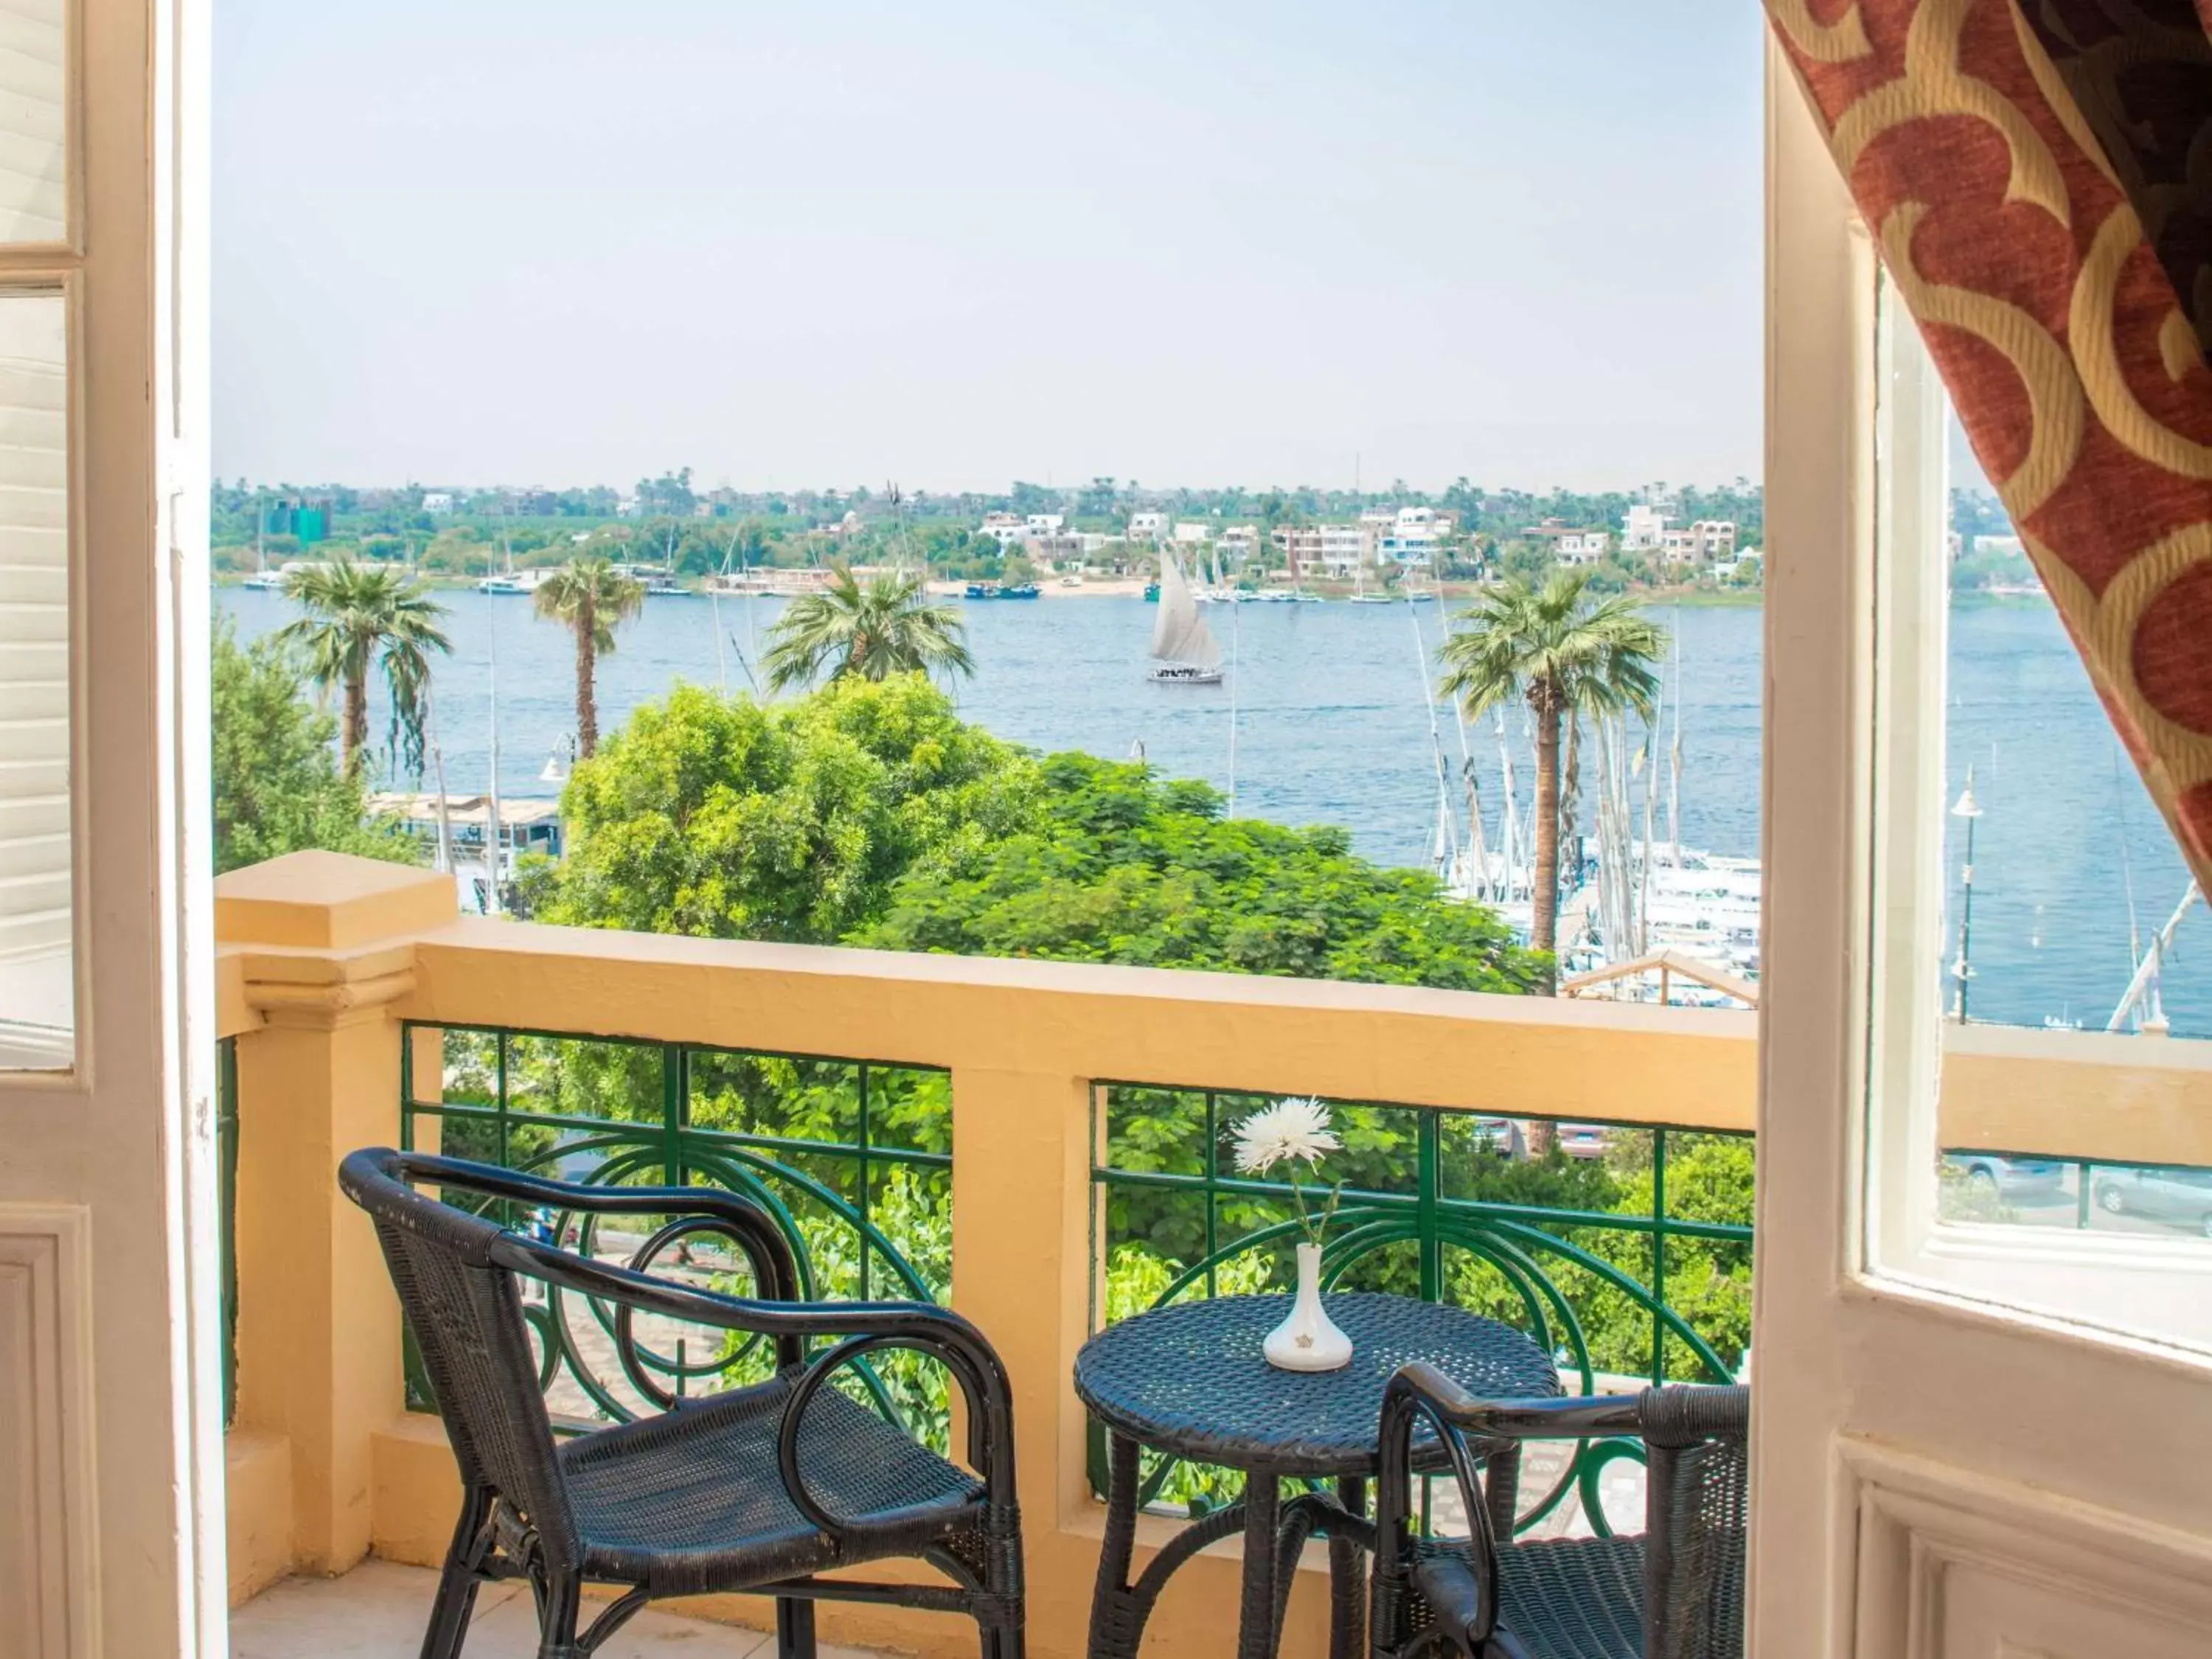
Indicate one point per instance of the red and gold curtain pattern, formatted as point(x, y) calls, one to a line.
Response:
point(2038, 174)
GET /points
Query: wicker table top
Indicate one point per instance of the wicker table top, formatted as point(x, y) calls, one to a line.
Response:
point(1190, 1379)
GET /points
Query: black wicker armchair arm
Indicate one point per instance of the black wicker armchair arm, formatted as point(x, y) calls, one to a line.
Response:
point(1466, 1601)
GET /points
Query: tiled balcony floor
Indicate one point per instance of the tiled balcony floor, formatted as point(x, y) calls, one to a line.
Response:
point(378, 1612)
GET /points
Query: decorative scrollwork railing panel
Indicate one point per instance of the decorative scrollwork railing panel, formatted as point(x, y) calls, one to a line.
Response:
point(852, 1159)
point(1629, 1257)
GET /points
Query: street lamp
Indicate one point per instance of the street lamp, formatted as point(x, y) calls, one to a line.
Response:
point(556, 766)
point(1962, 969)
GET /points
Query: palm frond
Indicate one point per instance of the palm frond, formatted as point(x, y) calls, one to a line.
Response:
point(885, 625)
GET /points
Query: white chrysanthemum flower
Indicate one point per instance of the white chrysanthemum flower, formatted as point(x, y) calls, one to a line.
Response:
point(1289, 1131)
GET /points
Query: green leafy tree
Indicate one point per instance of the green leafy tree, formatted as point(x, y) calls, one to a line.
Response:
point(362, 618)
point(277, 788)
point(1119, 866)
point(723, 818)
point(1568, 655)
point(872, 631)
point(591, 598)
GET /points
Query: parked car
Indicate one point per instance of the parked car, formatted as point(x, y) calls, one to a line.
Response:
point(1582, 1141)
point(2182, 1198)
point(1998, 1177)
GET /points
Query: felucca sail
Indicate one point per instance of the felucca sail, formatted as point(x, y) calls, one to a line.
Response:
point(1180, 636)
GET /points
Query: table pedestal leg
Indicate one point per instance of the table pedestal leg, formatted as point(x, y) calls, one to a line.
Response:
point(1112, 1635)
point(1347, 1581)
point(1256, 1631)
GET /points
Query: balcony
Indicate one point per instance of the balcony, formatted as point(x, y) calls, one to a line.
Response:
point(1030, 1142)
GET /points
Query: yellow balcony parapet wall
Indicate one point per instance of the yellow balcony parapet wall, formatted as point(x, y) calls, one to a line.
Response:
point(2096, 1095)
point(1506, 1055)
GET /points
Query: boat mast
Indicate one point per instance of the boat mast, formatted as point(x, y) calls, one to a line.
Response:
point(438, 759)
point(2141, 997)
point(491, 796)
point(1674, 753)
point(1233, 639)
point(1447, 826)
point(714, 616)
point(1509, 829)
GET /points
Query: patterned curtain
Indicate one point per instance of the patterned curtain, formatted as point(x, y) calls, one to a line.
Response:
point(2038, 174)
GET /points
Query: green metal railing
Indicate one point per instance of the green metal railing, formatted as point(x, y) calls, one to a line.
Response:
point(852, 1159)
point(1633, 1259)
point(2032, 1189)
point(226, 1168)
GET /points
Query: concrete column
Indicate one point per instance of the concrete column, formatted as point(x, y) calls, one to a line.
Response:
point(1021, 1271)
point(326, 946)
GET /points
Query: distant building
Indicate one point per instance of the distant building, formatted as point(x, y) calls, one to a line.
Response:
point(437, 501)
point(308, 518)
point(1644, 530)
point(1044, 524)
point(1241, 539)
point(1709, 541)
point(2000, 545)
point(1148, 526)
point(1414, 538)
point(1065, 548)
point(1004, 528)
point(1570, 543)
point(1582, 546)
point(1336, 549)
point(1189, 532)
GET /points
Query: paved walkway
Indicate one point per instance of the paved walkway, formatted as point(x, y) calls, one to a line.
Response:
point(378, 1611)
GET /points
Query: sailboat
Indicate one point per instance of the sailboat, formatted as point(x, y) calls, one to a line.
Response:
point(524, 582)
point(263, 580)
point(1183, 651)
point(1360, 595)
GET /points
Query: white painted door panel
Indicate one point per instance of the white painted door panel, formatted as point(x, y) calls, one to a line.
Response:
point(111, 1538)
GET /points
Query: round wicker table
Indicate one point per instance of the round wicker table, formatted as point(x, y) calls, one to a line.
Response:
point(1190, 1380)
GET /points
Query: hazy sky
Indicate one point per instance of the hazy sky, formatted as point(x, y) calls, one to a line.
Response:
point(953, 244)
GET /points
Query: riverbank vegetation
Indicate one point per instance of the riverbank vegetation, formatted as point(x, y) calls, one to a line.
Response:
point(674, 524)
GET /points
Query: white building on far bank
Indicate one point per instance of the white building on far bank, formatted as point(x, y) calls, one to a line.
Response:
point(1709, 541)
point(1415, 537)
point(1644, 530)
point(1339, 550)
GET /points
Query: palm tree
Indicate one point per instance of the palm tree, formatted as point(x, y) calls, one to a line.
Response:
point(591, 596)
point(874, 630)
point(1569, 653)
point(360, 618)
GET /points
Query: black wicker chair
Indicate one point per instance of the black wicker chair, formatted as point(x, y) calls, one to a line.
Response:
point(755, 1489)
point(1677, 1592)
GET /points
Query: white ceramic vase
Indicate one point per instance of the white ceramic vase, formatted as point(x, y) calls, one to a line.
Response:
point(1308, 1340)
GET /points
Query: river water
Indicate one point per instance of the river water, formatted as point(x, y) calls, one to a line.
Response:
point(1329, 726)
